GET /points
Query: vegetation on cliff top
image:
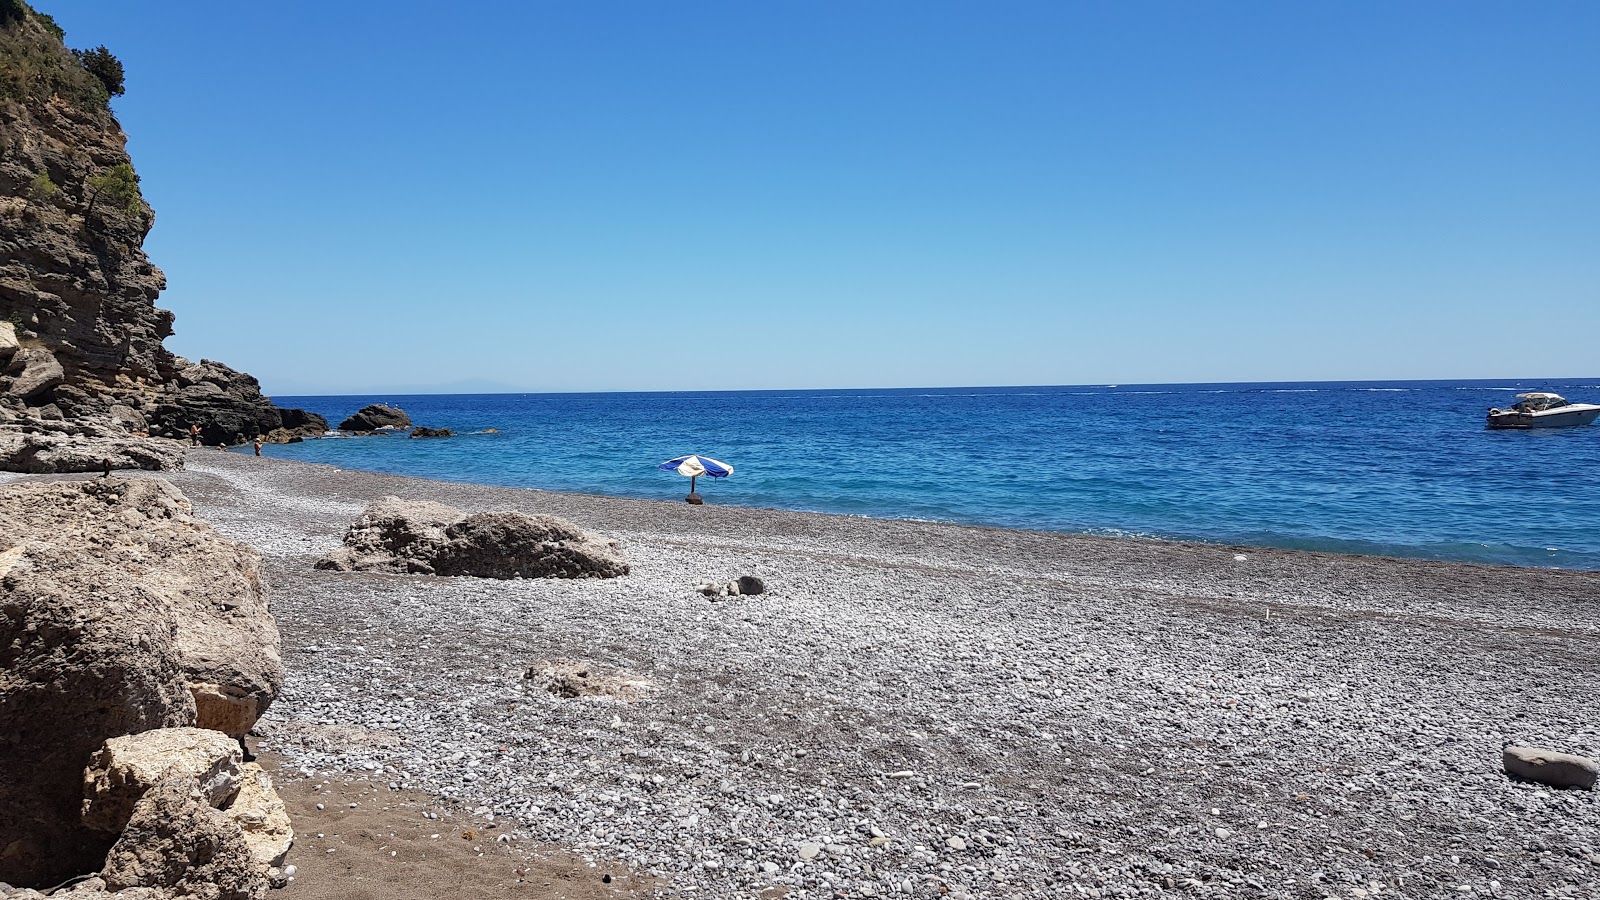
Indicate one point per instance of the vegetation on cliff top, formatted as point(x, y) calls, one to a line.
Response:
point(35, 63)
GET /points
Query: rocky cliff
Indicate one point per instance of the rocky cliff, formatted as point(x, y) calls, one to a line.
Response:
point(80, 333)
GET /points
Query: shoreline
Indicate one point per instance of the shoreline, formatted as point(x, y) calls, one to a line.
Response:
point(934, 707)
point(1196, 543)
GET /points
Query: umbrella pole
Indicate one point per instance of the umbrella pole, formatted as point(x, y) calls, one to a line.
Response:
point(691, 482)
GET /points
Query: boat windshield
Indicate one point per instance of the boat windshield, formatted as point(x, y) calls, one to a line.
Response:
point(1538, 402)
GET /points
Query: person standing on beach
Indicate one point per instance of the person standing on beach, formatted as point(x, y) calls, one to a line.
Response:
point(194, 433)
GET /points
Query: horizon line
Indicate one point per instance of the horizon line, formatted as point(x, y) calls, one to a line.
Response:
point(408, 392)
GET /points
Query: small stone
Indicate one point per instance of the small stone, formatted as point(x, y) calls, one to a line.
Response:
point(902, 775)
point(955, 843)
point(810, 851)
point(769, 868)
point(320, 806)
point(1224, 833)
point(751, 585)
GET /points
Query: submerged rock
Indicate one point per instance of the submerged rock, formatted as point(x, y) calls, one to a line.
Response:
point(422, 537)
point(376, 416)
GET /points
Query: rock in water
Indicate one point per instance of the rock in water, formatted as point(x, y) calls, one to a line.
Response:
point(122, 771)
point(423, 432)
point(429, 538)
point(1552, 767)
point(116, 605)
point(176, 842)
point(376, 416)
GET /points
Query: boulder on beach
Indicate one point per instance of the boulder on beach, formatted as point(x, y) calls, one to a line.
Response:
point(177, 842)
point(424, 432)
point(118, 608)
point(744, 585)
point(125, 768)
point(1551, 767)
point(376, 416)
point(422, 537)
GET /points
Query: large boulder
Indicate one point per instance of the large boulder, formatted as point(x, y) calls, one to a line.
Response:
point(1552, 767)
point(32, 371)
point(117, 607)
point(8, 341)
point(177, 842)
point(45, 452)
point(303, 422)
point(126, 768)
point(376, 416)
point(423, 537)
point(86, 653)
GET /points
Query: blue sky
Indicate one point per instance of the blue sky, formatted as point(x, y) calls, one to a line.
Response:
point(358, 196)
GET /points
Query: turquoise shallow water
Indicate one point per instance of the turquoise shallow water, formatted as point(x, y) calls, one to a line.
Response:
point(1400, 468)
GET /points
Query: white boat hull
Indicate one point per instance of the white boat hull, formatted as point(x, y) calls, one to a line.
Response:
point(1561, 417)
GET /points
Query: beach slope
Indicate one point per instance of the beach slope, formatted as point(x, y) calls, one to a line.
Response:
point(913, 709)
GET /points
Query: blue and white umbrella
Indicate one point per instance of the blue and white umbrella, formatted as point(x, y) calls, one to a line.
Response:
point(695, 466)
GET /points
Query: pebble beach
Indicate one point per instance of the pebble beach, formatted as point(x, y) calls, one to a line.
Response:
point(926, 710)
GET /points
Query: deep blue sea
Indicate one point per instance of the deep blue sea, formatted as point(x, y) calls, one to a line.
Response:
point(1397, 468)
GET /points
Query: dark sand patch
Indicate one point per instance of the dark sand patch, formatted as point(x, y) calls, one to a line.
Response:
point(385, 849)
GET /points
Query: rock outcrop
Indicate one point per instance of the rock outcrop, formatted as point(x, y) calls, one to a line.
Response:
point(423, 537)
point(376, 416)
point(425, 432)
point(36, 448)
point(81, 332)
point(118, 608)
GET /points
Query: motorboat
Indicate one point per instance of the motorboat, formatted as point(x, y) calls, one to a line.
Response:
point(1543, 410)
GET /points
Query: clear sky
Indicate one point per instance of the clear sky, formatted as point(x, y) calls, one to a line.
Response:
point(543, 195)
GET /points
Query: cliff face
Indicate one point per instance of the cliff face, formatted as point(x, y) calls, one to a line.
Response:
point(81, 334)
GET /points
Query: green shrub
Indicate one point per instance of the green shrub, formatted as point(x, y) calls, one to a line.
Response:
point(42, 188)
point(49, 23)
point(100, 63)
point(35, 66)
point(117, 187)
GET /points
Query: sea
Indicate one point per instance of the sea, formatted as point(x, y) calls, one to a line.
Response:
point(1399, 468)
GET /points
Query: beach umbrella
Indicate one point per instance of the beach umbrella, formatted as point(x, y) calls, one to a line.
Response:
point(695, 466)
